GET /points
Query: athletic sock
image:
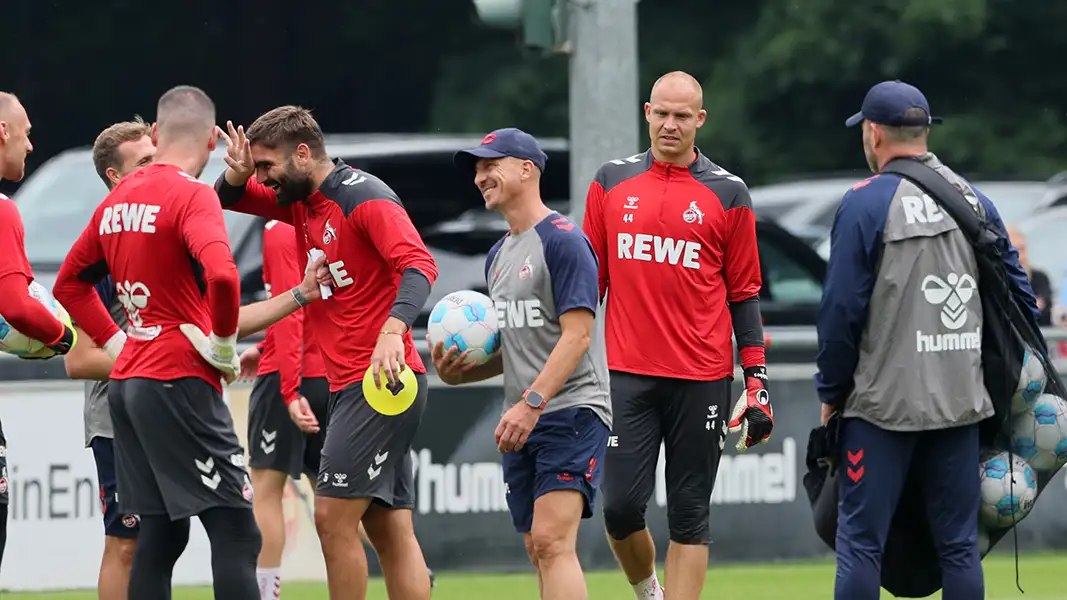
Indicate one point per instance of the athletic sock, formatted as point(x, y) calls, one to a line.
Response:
point(648, 589)
point(270, 583)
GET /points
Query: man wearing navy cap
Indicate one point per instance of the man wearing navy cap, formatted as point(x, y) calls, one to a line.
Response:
point(908, 384)
point(542, 277)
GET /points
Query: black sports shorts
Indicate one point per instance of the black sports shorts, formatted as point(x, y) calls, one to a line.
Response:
point(176, 452)
point(274, 441)
point(689, 418)
point(367, 454)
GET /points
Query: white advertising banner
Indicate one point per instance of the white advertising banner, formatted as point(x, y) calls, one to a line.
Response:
point(55, 527)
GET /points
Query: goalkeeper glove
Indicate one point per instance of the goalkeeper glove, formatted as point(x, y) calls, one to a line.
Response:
point(219, 352)
point(62, 346)
point(753, 416)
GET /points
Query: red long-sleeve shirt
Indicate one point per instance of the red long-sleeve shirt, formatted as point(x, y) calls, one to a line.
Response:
point(22, 312)
point(676, 246)
point(161, 235)
point(288, 348)
point(369, 241)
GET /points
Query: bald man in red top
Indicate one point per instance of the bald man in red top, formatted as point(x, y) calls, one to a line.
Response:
point(161, 236)
point(17, 308)
point(675, 235)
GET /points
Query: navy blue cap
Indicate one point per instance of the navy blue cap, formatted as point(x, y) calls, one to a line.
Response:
point(887, 102)
point(510, 141)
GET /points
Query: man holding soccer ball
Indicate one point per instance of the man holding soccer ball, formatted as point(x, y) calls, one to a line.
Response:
point(557, 414)
point(17, 308)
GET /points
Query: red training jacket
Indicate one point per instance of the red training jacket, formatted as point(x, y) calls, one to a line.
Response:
point(675, 245)
point(161, 235)
point(369, 240)
point(289, 348)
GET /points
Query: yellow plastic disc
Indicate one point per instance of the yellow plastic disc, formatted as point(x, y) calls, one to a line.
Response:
point(390, 400)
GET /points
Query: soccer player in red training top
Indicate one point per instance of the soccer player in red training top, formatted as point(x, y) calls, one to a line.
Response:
point(19, 310)
point(676, 239)
point(160, 234)
point(288, 404)
point(381, 277)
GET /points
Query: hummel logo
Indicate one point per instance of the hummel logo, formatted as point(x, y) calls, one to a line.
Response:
point(267, 443)
point(375, 470)
point(208, 475)
point(354, 178)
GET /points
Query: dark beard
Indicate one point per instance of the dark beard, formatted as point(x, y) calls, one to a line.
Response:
point(293, 189)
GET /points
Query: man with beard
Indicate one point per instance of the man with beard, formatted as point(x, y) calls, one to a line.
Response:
point(381, 276)
point(19, 310)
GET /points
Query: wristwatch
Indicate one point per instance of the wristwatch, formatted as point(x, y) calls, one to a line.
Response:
point(534, 399)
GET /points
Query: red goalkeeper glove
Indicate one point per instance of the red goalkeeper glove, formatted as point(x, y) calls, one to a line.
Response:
point(753, 416)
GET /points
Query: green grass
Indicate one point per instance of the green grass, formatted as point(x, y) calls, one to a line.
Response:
point(1044, 577)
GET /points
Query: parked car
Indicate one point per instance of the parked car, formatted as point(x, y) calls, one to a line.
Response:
point(58, 199)
point(1055, 192)
point(793, 272)
point(807, 207)
point(1045, 248)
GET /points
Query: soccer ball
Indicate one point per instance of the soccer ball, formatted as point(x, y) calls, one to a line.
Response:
point(1040, 434)
point(1032, 380)
point(466, 320)
point(1008, 493)
point(13, 342)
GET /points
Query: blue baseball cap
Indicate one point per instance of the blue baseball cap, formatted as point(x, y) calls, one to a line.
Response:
point(510, 141)
point(887, 102)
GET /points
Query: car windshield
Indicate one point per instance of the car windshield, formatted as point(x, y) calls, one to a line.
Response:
point(58, 202)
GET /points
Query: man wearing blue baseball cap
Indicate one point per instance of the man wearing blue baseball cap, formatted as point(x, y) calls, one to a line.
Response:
point(553, 435)
point(908, 385)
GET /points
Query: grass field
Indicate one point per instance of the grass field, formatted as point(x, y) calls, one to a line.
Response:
point(1043, 577)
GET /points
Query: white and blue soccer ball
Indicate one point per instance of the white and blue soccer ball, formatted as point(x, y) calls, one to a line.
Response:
point(14, 342)
point(1008, 489)
point(1032, 381)
point(1039, 435)
point(467, 320)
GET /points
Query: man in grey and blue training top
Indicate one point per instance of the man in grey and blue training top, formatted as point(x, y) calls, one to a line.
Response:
point(908, 384)
point(542, 277)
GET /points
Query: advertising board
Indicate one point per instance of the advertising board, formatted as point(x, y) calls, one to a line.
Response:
point(461, 518)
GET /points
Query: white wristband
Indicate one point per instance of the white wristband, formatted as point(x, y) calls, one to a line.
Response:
point(114, 345)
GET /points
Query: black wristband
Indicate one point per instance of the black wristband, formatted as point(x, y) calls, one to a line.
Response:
point(757, 372)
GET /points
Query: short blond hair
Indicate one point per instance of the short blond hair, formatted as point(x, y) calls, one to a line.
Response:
point(106, 147)
point(285, 128)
